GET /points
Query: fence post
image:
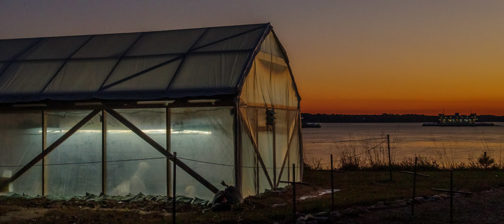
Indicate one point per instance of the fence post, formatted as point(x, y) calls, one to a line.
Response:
point(389, 159)
point(414, 188)
point(332, 184)
point(294, 192)
point(174, 186)
point(451, 195)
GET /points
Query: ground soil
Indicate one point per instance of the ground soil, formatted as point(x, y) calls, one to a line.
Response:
point(359, 189)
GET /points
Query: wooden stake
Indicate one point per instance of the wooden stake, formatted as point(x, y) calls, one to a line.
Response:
point(174, 202)
point(389, 159)
point(332, 184)
point(414, 188)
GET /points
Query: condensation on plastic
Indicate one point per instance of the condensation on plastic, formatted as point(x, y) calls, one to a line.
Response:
point(55, 48)
point(156, 79)
point(21, 141)
point(19, 77)
point(81, 76)
point(166, 42)
point(10, 48)
point(146, 170)
point(74, 167)
point(210, 71)
point(111, 45)
point(203, 134)
point(269, 81)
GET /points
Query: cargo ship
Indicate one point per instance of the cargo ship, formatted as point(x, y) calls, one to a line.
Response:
point(458, 120)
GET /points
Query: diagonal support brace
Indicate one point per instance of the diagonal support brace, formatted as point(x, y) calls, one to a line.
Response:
point(256, 149)
point(49, 149)
point(161, 149)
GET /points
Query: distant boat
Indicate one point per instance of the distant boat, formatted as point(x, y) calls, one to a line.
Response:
point(457, 120)
point(310, 125)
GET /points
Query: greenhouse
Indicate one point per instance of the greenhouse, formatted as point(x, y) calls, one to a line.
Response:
point(104, 114)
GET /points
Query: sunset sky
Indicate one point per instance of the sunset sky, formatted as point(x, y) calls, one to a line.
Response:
point(348, 57)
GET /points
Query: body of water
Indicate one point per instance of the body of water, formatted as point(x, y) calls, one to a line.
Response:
point(445, 145)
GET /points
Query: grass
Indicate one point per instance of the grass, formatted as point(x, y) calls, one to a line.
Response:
point(357, 188)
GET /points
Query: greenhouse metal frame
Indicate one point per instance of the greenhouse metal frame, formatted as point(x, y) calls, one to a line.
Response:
point(80, 113)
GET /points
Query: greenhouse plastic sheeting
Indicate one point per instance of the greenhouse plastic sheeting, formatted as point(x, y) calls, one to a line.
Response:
point(21, 140)
point(269, 82)
point(203, 139)
point(74, 167)
point(167, 64)
point(134, 166)
point(286, 138)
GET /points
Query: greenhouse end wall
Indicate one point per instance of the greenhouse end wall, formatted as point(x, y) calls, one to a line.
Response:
point(203, 138)
point(269, 148)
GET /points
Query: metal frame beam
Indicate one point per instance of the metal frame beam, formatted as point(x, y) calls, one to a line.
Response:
point(183, 58)
point(104, 152)
point(44, 145)
point(161, 149)
point(49, 149)
point(237, 147)
point(168, 150)
point(65, 63)
point(120, 59)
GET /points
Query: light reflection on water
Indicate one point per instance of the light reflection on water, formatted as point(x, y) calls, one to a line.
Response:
point(445, 145)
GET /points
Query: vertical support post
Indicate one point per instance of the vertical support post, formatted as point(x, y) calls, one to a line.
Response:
point(237, 148)
point(274, 156)
point(414, 188)
point(287, 168)
point(294, 192)
point(174, 202)
point(389, 159)
point(104, 152)
point(44, 146)
point(258, 185)
point(332, 184)
point(451, 196)
point(168, 149)
point(301, 154)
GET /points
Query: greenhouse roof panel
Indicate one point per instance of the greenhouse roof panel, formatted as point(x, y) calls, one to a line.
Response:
point(156, 65)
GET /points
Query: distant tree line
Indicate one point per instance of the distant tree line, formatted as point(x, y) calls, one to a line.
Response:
point(344, 118)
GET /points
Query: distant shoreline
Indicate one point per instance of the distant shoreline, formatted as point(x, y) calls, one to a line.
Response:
point(384, 118)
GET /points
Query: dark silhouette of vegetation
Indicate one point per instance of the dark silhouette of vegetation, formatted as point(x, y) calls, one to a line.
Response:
point(485, 161)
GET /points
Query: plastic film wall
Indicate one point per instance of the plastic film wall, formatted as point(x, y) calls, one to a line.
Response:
point(203, 138)
point(269, 82)
point(277, 145)
point(269, 87)
point(21, 140)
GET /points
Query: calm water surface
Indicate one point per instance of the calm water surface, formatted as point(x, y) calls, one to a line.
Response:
point(445, 145)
